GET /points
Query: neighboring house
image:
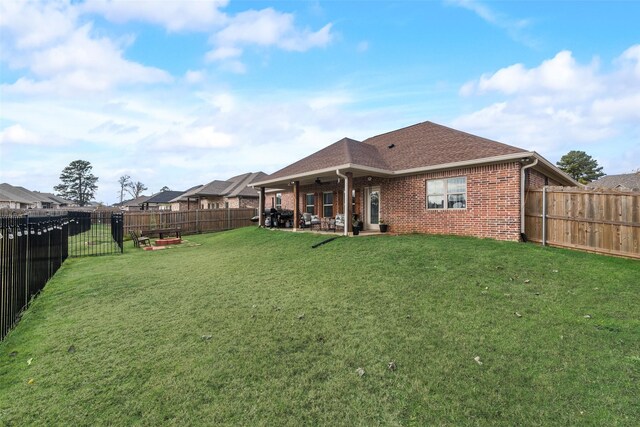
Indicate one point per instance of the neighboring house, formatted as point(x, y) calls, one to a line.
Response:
point(160, 201)
point(133, 204)
point(232, 193)
point(11, 200)
point(16, 197)
point(626, 181)
point(424, 178)
point(22, 198)
point(51, 201)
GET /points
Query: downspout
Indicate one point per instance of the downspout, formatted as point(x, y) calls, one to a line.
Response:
point(347, 199)
point(522, 185)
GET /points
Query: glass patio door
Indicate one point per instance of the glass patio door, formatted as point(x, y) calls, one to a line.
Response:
point(372, 216)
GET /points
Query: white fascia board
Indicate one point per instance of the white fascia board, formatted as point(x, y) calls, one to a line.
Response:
point(466, 163)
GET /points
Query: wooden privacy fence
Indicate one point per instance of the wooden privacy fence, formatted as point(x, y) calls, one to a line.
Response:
point(602, 221)
point(190, 222)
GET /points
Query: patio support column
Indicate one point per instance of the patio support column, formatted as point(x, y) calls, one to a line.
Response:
point(261, 208)
point(296, 204)
point(347, 202)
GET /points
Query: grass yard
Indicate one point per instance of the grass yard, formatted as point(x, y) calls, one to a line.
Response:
point(254, 327)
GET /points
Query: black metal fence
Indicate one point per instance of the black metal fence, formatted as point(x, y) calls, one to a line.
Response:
point(95, 233)
point(33, 247)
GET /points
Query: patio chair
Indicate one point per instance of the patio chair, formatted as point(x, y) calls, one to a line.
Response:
point(308, 220)
point(139, 239)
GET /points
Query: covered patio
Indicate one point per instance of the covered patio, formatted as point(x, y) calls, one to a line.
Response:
point(342, 181)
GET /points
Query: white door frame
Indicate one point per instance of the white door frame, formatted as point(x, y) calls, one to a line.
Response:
point(368, 225)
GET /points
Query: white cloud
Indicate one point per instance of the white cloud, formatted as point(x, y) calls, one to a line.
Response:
point(174, 15)
point(230, 34)
point(29, 24)
point(70, 60)
point(557, 75)
point(515, 28)
point(558, 105)
point(113, 128)
point(193, 77)
point(193, 137)
point(265, 28)
point(17, 134)
point(223, 52)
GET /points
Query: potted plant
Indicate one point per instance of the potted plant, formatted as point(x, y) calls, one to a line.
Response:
point(384, 227)
point(356, 225)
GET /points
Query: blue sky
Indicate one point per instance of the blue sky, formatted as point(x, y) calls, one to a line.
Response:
point(180, 93)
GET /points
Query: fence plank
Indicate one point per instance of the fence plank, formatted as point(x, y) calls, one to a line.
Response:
point(599, 221)
point(190, 222)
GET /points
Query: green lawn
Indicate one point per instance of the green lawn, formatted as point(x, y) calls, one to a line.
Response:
point(254, 327)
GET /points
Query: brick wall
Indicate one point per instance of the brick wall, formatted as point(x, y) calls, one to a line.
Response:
point(493, 204)
point(218, 202)
point(245, 202)
point(536, 179)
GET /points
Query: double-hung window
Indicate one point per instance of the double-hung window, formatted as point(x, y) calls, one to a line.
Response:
point(278, 200)
point(449, 193)
point(327, 205)
point(310, 204)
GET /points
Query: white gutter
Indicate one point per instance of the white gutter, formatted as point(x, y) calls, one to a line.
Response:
point(522, 184)
point(347, 199)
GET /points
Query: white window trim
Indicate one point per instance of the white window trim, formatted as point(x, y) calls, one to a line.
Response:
point(446, 193)
point(279, 198)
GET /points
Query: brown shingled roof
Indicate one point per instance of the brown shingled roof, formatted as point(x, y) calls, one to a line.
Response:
point(233, 187)
point(344, 152)
point(629, 181)
point(430, 144)
point(419, 146)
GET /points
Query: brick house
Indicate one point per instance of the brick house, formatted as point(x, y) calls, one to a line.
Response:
point(424, 178)
point(232, 193)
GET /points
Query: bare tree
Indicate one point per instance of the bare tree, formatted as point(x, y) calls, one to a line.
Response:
point(124, 181)
point(136, 189)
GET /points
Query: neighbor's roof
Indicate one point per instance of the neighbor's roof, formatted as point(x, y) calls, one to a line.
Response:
point(134, 202)
point(423, 145)
point(56, 199)
point(21, 194)
point(233, 187)
point(8, 196)
point(163, 197)
point(625, 181)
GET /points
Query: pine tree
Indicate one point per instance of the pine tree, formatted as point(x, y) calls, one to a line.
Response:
point(78, 183)
point(580, 166)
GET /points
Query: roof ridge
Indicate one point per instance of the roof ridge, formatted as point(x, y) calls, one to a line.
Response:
point(396, 130)
point(233, 185)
